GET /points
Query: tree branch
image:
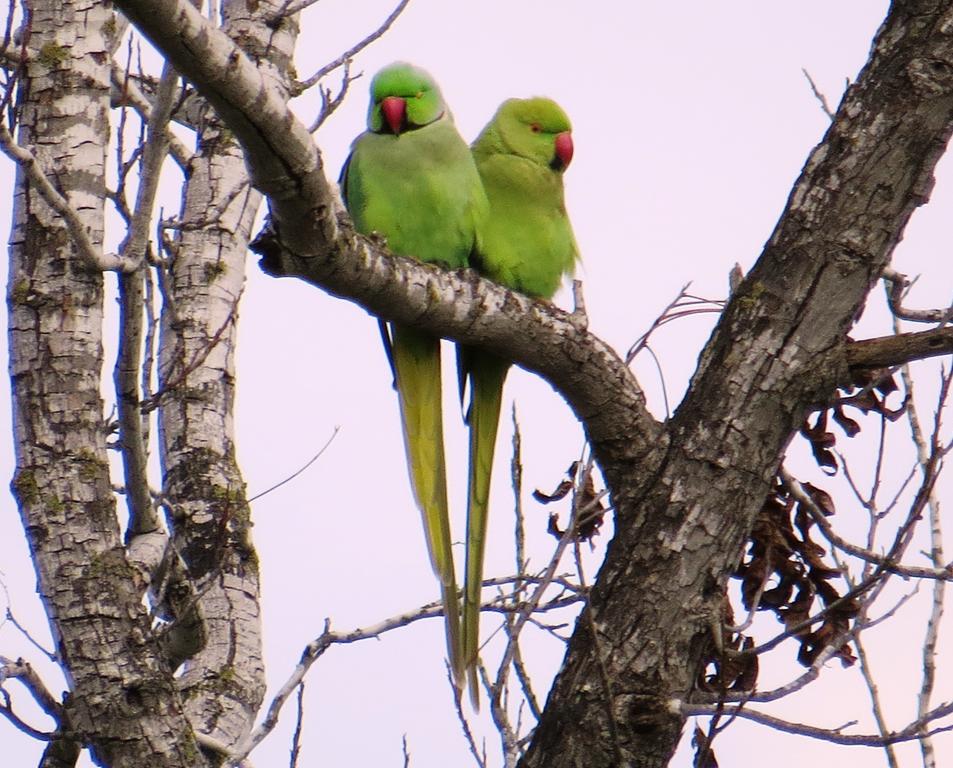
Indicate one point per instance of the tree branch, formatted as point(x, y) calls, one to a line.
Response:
point(313, 239)
point(90, 253)
point(891, 351)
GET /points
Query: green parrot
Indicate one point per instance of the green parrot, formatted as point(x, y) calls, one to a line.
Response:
point(411, 178)
point(527, 244)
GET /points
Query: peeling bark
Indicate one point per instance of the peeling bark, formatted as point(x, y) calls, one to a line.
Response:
point(224, 682)
point(122, 699)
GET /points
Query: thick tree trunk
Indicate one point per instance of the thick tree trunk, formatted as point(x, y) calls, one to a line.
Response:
point(223, 684)
point(683, 516)
point(122, 697)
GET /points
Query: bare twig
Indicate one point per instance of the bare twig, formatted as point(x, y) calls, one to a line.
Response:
point(9, 616)
point(873, 581)
point(24, 672)
point(519, 536)
point(92, 255)
point(6, 709)
point(173, 382)
point(683, 305)
point(579, 317)
point(509, 736)
point(143, 517)
point(897, 285)
point(585, 470)
point(292, 7)
point(299, 721)
point(295, 474)
point(131, 93)
point(936, 557)
point(475, 752)
point(312, 652)
point(818, 95)
point(351, 52)
point(943, 573)
point(873, 690)
point(833, 735)
point(330, 103)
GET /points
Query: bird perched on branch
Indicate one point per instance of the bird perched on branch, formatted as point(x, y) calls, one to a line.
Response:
point(527, 244)
point(410, 177)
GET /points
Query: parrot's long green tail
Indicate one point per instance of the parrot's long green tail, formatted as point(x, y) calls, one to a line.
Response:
point(416, 361)
point(487, 374)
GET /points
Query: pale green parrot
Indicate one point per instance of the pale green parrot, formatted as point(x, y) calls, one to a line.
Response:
point(527, 244)
point(411, 178)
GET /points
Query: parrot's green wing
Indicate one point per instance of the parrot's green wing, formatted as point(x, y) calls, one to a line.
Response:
point(411, 178)
point(527, 244)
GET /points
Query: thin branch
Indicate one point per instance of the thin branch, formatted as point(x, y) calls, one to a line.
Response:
point(818, 95)
point(833, 735)
point(516, 480)
point(896, 285)
point(585, 471)
point(24, 672)
point(519, 537)
point(479, 759)
point(299, 722)
point(212, 744)
point(875, 700)
point(329, 103)
point(130, 93)
point(873, 581)
point(9, 616)
point(931, 637)
point(533, 603)
point(312, 652)
point(944, 573)
point(6, 709)
point(675, 311)
point(295, 474)
point(890, 351)
point(508, 736)
point(351, 52)
point(172, 383)
point(290, 8)
point(92, 255)
point(143, 517)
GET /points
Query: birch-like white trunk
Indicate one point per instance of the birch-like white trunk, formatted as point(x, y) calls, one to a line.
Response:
point(223, 684)
point(122, 700)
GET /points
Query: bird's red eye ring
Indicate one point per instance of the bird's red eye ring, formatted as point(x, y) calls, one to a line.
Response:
point(535, 127)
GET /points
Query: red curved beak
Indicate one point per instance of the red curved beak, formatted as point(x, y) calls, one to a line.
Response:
point(394, 110)
point(564, 148)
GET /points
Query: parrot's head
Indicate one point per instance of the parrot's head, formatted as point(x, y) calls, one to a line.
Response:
point(403, 97)
point(536, 129)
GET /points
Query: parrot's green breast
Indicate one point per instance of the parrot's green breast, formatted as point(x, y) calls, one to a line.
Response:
point(527, 241)
point(420, 190)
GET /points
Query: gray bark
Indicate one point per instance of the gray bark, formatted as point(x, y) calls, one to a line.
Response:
point(223, 683)
point(122, 699)
point(124, 702)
